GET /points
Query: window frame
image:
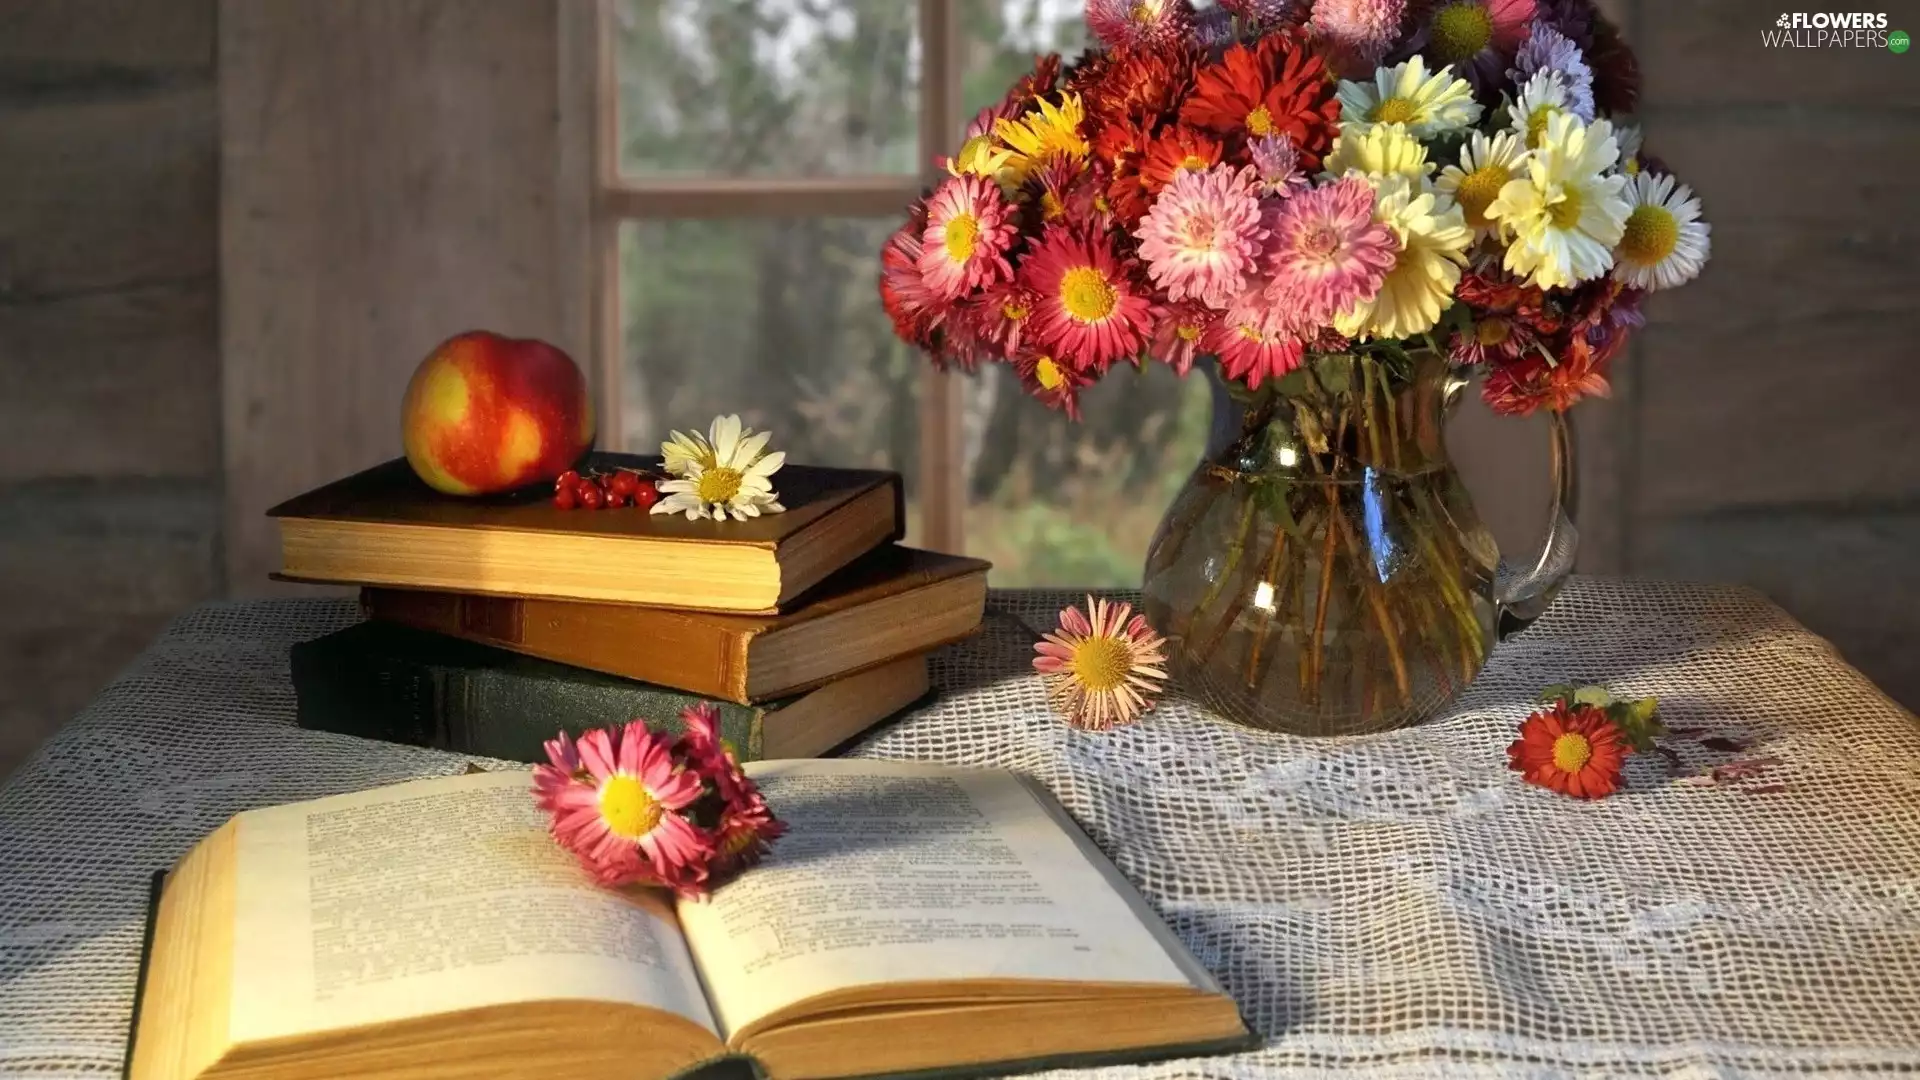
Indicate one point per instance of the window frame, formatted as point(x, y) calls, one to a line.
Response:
point(619, 198)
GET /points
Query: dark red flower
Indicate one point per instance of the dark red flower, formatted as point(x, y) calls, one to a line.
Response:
point(1616, 73)
point(1531, 382)
point(1175, 148)
point(1143, 87)
point(1275, 87)
point(1055, 384)
point(916, 310)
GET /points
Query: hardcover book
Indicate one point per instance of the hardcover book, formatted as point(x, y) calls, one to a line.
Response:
point(915, 919)
point(897, 601)
point(384, 526)
point(398, 684)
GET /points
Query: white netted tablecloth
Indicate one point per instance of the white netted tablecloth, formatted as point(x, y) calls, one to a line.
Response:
point(1396, 905)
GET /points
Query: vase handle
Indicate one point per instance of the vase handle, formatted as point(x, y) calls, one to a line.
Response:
point(1521, 592)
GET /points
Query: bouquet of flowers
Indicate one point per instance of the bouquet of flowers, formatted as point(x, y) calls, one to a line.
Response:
point(1266, 180)
point(1346, 203)
point(637, 807)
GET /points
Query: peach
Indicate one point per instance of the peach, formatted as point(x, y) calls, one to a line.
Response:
point(486, 413)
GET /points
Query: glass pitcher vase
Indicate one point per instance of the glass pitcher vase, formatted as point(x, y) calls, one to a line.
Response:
point(1325, 572)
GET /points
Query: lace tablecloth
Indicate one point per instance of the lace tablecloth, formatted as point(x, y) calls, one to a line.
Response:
point(1394, 905)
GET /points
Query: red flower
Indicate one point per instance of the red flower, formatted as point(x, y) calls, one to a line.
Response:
point(1142, 86)
point(916, 310)
point(1122, 145)
point(1525, 385)
point(1177, 333)
point(1056, 385)
point(1175, 148)
point(999, 317)
point(1616, 74)
point(1092, 311)
point(1491, 339)
point(1491, 291)
point(1276, 87)
point(1577, 751)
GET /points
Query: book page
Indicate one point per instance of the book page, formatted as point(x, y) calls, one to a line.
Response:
point(894, 872)
point(433, 896)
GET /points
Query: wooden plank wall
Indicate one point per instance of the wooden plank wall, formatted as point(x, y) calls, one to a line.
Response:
point(381, 192)
point(109, 365)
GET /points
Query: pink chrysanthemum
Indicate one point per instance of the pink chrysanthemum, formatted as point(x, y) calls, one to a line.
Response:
point(1255, 341)
point(707, 753)
point(1203, 236)
point(613, 799)
point(969, 229)
point(1261, 13)
point(746, 830)
point(1177, 333)
point(1277, 164)
point(1478, 38)
point(1356, 34)
point(1327, 253)
point(1152, 24)
point(999, 318)
point(1101, 668)
point(1091, 310)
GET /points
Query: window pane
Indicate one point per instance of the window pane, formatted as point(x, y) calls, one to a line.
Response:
point(778, 320)
point(1003, 37)
point(1054, 502)
point(768, 87)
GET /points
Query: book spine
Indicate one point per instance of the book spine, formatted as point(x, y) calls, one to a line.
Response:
point(648, 645)
point(488, 712)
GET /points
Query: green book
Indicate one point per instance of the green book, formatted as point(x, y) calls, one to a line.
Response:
point(397, 684)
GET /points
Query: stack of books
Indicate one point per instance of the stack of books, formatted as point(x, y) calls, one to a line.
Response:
point(492, 623)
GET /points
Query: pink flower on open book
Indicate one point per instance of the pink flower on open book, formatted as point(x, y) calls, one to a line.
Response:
point(613, 797)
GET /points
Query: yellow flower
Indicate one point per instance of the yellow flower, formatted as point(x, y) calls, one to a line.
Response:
point(1378, 150)
point(1044, 134)
point(1433, 237)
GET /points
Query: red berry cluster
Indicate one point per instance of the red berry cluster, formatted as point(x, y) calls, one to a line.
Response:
point(605, 491)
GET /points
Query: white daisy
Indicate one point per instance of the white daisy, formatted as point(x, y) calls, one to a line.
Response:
point(1664, 243)
point(1428, 103)
point(1433, 244)
point(1543, 98)
point(1568, 212)
point(1376, 151)
point(682, 447)
point(1486, 166)
point(735, 479)
point(1628, 136)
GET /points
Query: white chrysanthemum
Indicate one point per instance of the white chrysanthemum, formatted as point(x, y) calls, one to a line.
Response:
point(1543, 98)
point(734, 479)
point(1628, 136)
point(1486, 166)
point(683, 447)
point(1433, 244)
point(1429, 103)
point(1664, 243)
point(1568, 212)
point(1377, 151)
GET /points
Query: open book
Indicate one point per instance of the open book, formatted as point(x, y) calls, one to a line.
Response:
point(915, 918)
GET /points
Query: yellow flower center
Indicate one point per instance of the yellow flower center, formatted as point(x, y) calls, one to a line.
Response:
point(1565, 214)
point(1101, 663)
point(1394, 110)
point(1537, 123)
point(736, 842)
point(1652, 234)
point(1187, 333)
point(719, 485)
point(1249, 333)
point(1086, 295)
point(1260, 121)
point(1146, 11)
point(1051, 208)
point(1571, 751)
point(961, 232)
point(1478, 191)
point(1192, 163)
point(1460, 31)
point(1632, 167)
point(628, 808)
point(1492, 331)
point(1048, 374)
point(1013, 311)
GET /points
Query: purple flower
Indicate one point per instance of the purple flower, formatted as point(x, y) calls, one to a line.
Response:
point(1277, 162)
point(1547, 49)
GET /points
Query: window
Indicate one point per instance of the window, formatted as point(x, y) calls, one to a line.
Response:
point(753, 156)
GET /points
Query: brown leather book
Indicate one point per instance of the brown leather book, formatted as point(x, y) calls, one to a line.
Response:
point(895, 602)
point(384, 526)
